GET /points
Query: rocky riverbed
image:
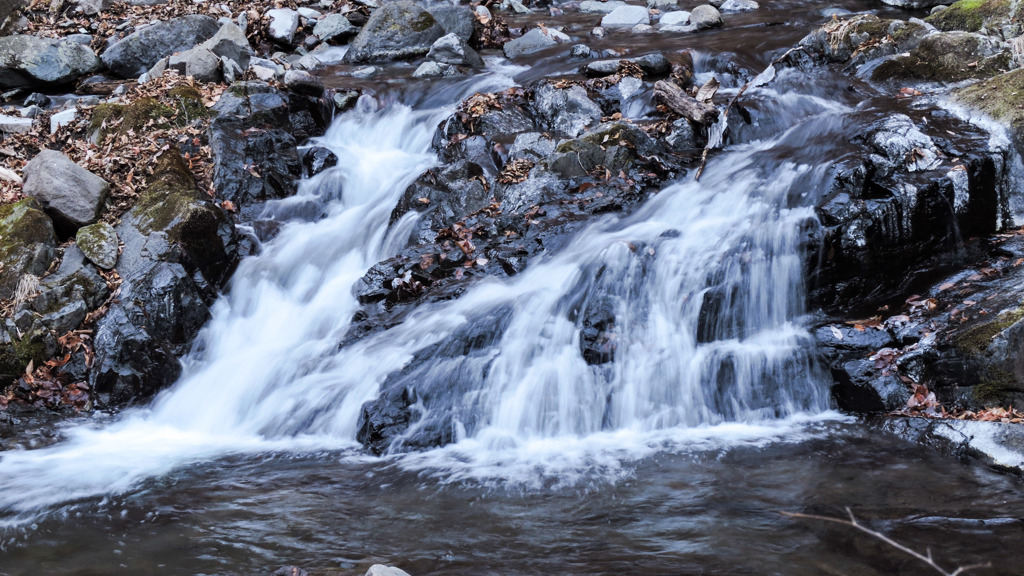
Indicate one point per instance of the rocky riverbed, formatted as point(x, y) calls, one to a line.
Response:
point(143, 141)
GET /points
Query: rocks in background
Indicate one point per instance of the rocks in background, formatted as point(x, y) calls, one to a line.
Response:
point(138, 52)
point(535, 40)
point(395, 31)
point(705, 16)
point(32, 61)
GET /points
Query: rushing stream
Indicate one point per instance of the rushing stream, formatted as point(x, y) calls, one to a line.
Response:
point(673, 459)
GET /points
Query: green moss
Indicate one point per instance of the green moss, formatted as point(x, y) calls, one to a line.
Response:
point(996, 388)
point(423, 23)
point(945, 57)
point(1001, 97)
point(970, 15)
point(188, 103)
point(170, 195)
point(23, 224)
point(178, 107)
point(976, 340)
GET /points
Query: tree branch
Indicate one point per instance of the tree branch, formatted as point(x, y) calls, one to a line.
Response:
point(927, 559)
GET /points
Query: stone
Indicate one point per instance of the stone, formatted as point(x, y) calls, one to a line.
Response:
point(230, 70)
point(15, 125)
point(283, 24)
point(458, 20)
point(626, 16)
point(92, 7)
point(435, 70)
point(70, 194)
point(333, 26)
point(27, 243)
point(450, 49)
point(98, 242)
point(532, 146)
point(738, 6)
point(303, 83)
point(63, 118)
point(914, 4)
point(230, 42)
point(535, 40)
point(663, 5)
point(37, 99)
point(317, 159)
point(382, 570)
point(396, 31)
point(565, 111)
point(266, 70)
point(136, 53)
point(706, 16)
point(675, 18)
point(199, 63)
point(596, 7)
point(651, 64)
point(365, 72)
point(31, 61)
point(947, 57)
point(309, 13)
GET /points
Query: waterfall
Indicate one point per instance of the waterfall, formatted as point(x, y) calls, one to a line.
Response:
point(700, 288)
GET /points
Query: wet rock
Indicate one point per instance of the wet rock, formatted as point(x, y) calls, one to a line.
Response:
point(396, 31)
point(32, 61)
point(178, 251)
point(705, 16)
point(996, 97)
point(535, 40)
point(317, 159)
point(230, 42)
point(72, 195)
point(436, 70)
point(458, 20)
point(283, 24)
point(290, 571)
point(899, 140)
point(947, 57)
point(303, 83)
point(993, 443)
point(138, 52)
point(738, 6)
point(614, 145)
point(443, 196)
point(98, 242)
point(580, 51)
point(863, 38)
point(199, 63)
point(450, 49)
point(564, 111)
point(626, 16)
point(533, 146)
point(913, 4)
point(27, 243)
point(333, 26)
point(596, 7)
point(382, 570)
point(652, 64)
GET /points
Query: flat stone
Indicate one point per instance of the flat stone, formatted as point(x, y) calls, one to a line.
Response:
point(62, 118)
point(199, 63)
point(595, 7)
point(333, 26)
point(626, 16)
point(15, 125)
point(435, 70)
point(303, 83)
point(675, 18)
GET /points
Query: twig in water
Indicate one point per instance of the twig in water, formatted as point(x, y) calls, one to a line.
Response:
point(926, 558)
point(725, 115)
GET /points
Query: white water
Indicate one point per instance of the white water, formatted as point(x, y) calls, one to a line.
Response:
point(267, 374)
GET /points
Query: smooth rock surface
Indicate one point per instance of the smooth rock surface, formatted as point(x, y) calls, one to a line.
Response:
point(626, 17)
point(29, 61)
point(283, 24)
point(705, 16)
point(73, 196)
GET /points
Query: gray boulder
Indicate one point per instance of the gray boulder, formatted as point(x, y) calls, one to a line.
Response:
point(705, 16)
point(333, 26)
point(15, 125)
point(198, 62)
point(450, 49)
point(675, 18)
point(30, 61)
point(230, 42)
point(98, 242)
point(395, 31)
point(27, 243)
point(70, 194)
point(565, 111)
point(303, 82)
point(138, 52)
point(595, 7)
point(283, 24)
point(534, 41)
point(458, 20)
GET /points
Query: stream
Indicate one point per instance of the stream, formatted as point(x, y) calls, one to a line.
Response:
point(676, 458)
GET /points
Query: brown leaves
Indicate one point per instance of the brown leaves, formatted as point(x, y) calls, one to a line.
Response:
point(516, 171)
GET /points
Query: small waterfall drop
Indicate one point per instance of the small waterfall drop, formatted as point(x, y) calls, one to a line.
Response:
point(699, 293)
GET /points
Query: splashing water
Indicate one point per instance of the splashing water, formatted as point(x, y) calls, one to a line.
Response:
point(700, 290)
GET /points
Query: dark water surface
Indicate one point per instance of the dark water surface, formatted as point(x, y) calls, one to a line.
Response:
point(708, 512)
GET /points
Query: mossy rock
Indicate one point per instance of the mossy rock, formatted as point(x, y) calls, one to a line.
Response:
point(947, 57)
point(976, 340)
point(1001, 97)
point(180, 106)
point(27, 243)
point(972, 15)
point(99, 244)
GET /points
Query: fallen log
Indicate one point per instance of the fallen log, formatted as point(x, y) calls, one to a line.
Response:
point(685, 105)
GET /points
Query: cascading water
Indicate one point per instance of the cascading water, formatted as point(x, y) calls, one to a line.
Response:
point(700, 292)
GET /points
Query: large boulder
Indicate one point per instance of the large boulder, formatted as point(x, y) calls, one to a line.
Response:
point(135, 54)
point(179, 249)
point(565, 111)
point(395, 31)
point(32, 61)
point(73, 196)
point(947, 57)
point(230, 42)
point(534, 41)
point(969, 15)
